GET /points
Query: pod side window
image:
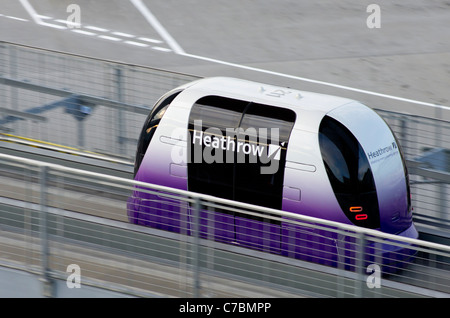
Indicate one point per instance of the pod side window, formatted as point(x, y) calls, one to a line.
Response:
point(149, 128)
point(349, 172)
point(239, 150)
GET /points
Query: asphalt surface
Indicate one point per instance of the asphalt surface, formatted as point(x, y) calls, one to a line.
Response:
point(284, 42)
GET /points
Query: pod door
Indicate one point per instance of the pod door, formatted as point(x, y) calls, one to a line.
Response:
point(209, 170)
point(238, 152)
point(259, 177)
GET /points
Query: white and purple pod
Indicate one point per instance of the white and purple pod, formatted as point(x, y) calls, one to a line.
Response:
point(312, 154)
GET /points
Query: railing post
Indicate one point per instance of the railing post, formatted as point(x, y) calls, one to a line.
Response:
point(359, 265)
point(13, 74)
point(196, 247)
point(47, 284)
point(403, 134)
point(120, 114)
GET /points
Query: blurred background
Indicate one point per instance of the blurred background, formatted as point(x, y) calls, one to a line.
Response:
point(78, 78)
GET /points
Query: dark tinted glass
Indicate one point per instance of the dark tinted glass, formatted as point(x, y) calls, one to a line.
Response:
point(149, 128)
point(214, 178)
point(252, 186)
point(240, 178)
point(349, 173)
point(219, 112)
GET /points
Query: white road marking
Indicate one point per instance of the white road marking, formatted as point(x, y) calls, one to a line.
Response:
point(150, 40)
point(157, 26)
point(36, 17)
point(31, 11)
point(125, 35)
point(304, 79)
point(178, 50)
point(111, 38)
point(44, 17)
point(94, 28)
point(83, 32)
point(55, 26)
point(162, 49)
point(15, 18)
point(67, 22)
point(136, 43)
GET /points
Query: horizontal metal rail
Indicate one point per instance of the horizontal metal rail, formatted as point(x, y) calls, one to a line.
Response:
point(65, 93)
point(33, 78)
point(56, 192)
point(130, 184)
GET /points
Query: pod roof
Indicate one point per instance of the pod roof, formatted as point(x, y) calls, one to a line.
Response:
point(267, 94)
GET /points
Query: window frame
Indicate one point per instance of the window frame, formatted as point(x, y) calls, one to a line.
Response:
point(150, 125)
point(356, 194)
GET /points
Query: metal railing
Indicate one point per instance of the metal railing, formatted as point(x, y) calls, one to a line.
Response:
point(426, 145)
point(53, 217)
point(98, 107)
point(76, 101)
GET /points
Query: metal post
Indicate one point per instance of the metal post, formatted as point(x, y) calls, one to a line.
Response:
point(359, 265)
point(340, 258)
point(120, 115)
point(196, 247)
point(437, 126)
point(47, 286)
point(13, 75)
point(81, 143)
point(403, 134)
